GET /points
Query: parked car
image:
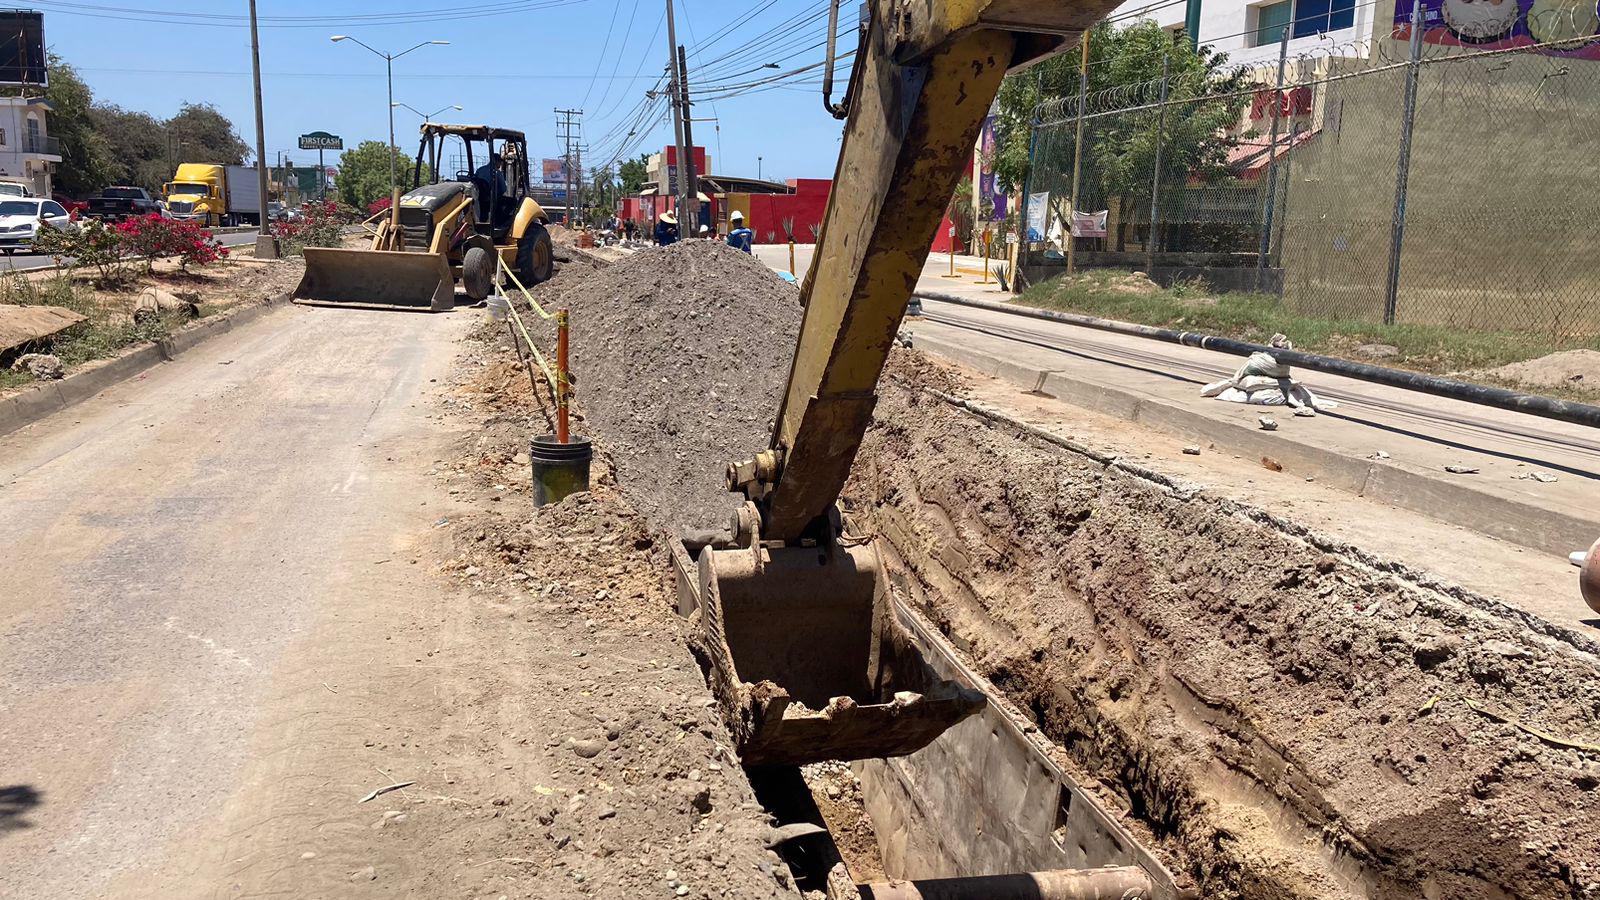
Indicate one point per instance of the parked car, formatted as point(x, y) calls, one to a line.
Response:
point(73, 207)
point(15, 189)
point(122, 202)
point(21, 218)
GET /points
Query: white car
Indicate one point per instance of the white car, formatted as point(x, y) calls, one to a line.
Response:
point(21, 219)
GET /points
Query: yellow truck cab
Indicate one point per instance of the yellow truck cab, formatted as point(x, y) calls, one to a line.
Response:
point(214, 194)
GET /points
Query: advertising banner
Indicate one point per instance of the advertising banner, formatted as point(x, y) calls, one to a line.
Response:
point(1038, 214)
point(1511, 23)
point(1091, 224)
point(555, 171)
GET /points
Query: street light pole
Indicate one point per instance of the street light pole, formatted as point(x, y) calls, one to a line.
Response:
point(426, 116)
point(388, 59)
point(266, 245)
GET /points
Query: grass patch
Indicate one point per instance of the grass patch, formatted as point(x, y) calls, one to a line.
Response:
point(1191, 306)
point(110, 326)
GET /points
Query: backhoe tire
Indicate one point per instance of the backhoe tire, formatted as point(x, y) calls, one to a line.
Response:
point(536, 255)
point(477, 273)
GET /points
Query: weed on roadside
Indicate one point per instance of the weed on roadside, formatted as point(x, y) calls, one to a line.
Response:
point(1191, 306)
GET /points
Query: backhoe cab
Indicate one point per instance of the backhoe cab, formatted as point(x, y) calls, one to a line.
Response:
point(444, 231)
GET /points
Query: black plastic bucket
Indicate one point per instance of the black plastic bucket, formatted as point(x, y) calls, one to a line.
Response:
point(559, 469)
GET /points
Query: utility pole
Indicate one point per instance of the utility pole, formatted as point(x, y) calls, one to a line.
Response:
point(1077, 156)
point(569, 126)
point(1408, 119)
point(691, 181)
point(266, 244)
point(680, 113)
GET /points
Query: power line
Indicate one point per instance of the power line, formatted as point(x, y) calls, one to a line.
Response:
point(212, 20)
point(627, 35)
point(433, 76)
point(600, 61)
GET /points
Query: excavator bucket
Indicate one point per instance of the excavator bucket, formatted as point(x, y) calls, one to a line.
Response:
point(807, 658)
point(377, 278)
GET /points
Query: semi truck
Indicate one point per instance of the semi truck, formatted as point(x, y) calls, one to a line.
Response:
point(214, 194)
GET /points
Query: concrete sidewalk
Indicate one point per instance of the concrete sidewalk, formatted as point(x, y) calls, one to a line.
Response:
point(1382, 443)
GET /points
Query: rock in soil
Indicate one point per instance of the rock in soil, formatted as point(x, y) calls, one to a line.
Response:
point(42, 366)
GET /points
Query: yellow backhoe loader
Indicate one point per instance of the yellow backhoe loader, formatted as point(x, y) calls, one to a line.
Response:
point(445, 231)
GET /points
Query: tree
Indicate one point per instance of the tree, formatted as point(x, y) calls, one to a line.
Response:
point(206, 135)
point(140, 152)
point(602, 196)
point(1193, 140)
point(364, 173)
point(102, 144)
point(86, 155)
point(633, 174)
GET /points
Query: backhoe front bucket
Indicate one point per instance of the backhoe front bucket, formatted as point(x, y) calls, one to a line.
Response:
point(377, 278)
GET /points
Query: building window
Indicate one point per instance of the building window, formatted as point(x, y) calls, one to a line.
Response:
point(2, 137)
point(1271, 20)
point(1314, 17)
point(1302, 18)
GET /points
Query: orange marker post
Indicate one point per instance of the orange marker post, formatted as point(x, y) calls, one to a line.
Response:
point(562, 390)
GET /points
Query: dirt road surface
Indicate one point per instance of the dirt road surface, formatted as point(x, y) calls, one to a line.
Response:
point(228, 614)
point(170, 549)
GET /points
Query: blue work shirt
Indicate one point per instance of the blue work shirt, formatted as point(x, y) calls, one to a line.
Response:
point(491, 173)
point(666, 234)
point(742, 238)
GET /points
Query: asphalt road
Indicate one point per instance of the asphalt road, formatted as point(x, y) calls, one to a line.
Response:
point(24, 261)
point(206, 598)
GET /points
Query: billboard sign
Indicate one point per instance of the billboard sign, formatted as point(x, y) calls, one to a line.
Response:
point(1505, 25)
point(321, 140)
point(555, 171)
point(22, 62)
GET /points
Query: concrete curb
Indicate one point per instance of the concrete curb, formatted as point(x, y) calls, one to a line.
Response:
point(1522, 524)
point(51, 397)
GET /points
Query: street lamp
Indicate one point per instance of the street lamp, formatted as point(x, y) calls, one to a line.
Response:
point(389, 59)
point(426, 116)
point(758, 168)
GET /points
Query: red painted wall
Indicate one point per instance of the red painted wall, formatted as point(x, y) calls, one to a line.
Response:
point(941, 239)
point(806, 206)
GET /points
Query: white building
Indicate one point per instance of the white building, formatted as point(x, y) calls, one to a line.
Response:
point(28, 155)
point(1249, 32)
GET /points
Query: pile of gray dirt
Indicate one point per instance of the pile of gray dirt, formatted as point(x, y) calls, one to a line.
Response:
point(680, 354)
point(1570, 368)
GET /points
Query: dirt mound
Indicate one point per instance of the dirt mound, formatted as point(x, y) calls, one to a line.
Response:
point(680, 354)
point(561, 235)
point(1286, 716)
point(1574, 368)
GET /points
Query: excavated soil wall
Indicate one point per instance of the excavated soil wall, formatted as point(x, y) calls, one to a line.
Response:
point(1283, 716)
point(1280, 715)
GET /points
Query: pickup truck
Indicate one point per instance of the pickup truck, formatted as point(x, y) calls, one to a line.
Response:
point(115, 203)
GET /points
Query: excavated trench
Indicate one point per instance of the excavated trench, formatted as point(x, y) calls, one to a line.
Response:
point(1177, 681)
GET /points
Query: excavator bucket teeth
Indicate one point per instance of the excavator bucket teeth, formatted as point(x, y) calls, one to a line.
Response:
point(807, 659)
point(377, 278)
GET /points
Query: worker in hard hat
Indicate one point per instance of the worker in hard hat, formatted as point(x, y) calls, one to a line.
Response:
point(666, 229)
point(738, 235)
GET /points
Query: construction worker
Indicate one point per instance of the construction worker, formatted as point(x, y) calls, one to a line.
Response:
point(666, 229)
point(740, 236)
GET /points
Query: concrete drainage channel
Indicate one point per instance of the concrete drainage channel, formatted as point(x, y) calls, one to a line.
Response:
point(983, 811)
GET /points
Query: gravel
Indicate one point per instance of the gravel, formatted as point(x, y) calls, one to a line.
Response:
point(680, 354)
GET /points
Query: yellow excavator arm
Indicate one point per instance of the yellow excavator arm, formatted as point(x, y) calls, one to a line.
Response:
point(924, 77)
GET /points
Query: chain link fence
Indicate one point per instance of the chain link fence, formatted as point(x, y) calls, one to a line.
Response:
point(1286, 179)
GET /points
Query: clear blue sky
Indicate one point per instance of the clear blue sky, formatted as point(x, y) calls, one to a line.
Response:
point(509, 63)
